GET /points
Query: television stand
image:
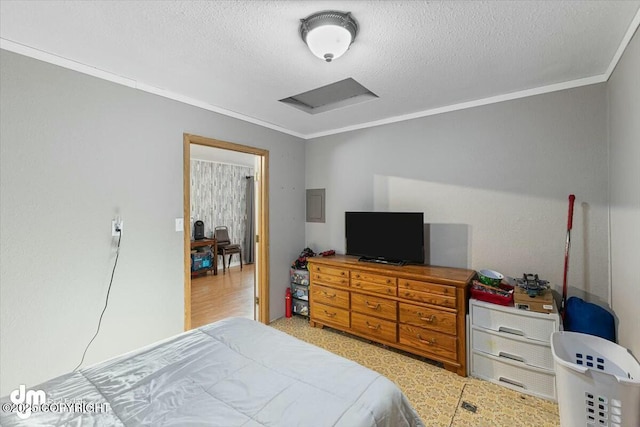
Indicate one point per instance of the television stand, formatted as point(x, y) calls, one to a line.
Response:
point(417, 308)
point(381, 261)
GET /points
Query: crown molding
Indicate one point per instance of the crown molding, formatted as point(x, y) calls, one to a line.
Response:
point(105, 75)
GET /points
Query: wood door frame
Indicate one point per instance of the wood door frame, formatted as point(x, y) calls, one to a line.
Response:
point(262, 226)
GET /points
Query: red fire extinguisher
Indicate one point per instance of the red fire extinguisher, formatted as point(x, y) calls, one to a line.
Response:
point(287, 302)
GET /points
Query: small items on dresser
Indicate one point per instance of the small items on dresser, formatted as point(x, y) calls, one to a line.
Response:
point(501, 294)
point(530, 293)
point(533, 294)
point(489, 287)
point(532, 284)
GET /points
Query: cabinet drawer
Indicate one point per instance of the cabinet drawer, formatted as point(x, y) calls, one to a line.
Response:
point(428, 341)
point(325, 313)
point(431, 288)
point(329, 270)
point(373, 278)
point(329, 296)
point(327, 279)
point(374, 327)
point(528, 352)
point(300, 307)
point(435, 299)
point(535, 326)
point(428, 318)
point(527, 380)
point(374, 306)
point(373, 287)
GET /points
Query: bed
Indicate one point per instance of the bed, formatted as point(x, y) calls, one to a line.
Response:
point(235, 372)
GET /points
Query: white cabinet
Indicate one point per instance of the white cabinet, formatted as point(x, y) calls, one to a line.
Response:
point(511, 347)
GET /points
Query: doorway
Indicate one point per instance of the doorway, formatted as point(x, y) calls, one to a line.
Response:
point(261, 270)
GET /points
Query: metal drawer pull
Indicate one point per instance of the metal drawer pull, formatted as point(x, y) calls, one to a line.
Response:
point(511, 356)
point(327, 295)
point(512, 382)
point(430, 341)
point(372, 327)
point(329, 314)
point(373, 307)
point(429, 319)
point(510, 331)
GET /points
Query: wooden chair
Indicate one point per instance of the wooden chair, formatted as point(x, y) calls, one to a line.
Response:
point(225, 247)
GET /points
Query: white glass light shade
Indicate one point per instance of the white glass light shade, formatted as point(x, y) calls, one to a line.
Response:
point(328, 42)
point(328, 34)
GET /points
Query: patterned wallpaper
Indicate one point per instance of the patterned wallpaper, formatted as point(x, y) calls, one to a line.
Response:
point(218, 197)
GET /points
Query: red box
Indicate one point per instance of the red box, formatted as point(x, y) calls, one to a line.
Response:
point(502, 294)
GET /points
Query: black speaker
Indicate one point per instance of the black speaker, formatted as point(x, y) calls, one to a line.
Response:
point(198, 230)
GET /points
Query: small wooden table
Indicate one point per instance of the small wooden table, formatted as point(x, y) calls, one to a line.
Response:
point(213, 244)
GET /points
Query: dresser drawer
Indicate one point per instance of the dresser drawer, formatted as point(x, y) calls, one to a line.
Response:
point(428, 341)
point(329, 270)
point(334, 297)
point(374, 278)
point(525, 351)
point(428, 287)
point(327, 279)
point(325, 313)
point(374, 306)
point(428, 318)
point(373, 287)
point(527, 380)
point(374, 327)
point(535, 326)
point(435, 299)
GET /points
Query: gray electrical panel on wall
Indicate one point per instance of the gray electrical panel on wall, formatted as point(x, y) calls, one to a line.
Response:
point(315, 205)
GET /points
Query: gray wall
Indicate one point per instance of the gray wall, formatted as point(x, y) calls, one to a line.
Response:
point(623, 90)
point(76, 151)
point(503, 172)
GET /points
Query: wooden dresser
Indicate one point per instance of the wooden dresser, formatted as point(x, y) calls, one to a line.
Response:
point(418, 309)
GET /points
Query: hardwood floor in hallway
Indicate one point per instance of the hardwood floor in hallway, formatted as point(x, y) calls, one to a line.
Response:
point(224, 295)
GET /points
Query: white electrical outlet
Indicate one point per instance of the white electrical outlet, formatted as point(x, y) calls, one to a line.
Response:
point(179, 224)
point(116, 227)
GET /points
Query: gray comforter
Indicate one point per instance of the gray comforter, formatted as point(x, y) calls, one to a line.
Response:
point(235, 372)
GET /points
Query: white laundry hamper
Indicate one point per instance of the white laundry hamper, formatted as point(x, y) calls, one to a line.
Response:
point(598, 381)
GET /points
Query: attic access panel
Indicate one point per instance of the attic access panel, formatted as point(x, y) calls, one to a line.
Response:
point(330, 97)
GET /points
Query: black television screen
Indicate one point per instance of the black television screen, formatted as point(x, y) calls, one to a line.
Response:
point(385, 236)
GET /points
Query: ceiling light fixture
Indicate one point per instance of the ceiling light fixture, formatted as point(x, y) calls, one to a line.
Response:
point(328, 34)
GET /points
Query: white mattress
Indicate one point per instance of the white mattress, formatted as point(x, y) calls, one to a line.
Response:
point(235, 372)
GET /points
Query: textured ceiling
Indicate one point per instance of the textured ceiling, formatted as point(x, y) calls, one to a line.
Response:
point(241, 57)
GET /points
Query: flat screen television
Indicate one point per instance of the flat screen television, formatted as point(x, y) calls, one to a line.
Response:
point(386, 237)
